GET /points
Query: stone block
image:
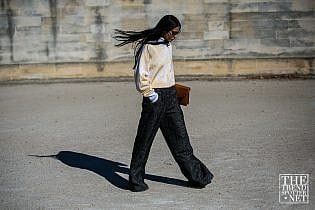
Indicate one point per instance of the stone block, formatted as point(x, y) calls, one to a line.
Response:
point(27, 33)
point(284, 15)
point(158, 11)
point(63, 56)
point(300, 65)
point(22, 55)
point(3, 31)
point(72, 20)
point(218, 17)
point(307, 25)
point(5, 58)
point(216, 44)
point(294, 33)
point(194, 17)
point(239, 34)
point(134, 23)
point(135, 7)
point(241, 44)
point(50, 24)
point(186, 53)
point(71, 46)
point(274, 6)
point(191, 44)
point(193, 8)
point(217, 25)
point(243, 25)
point(271, 65)
point(293, 24)
point(216, 1)
point(301, 43)
point(217, 8)
point(265, 34)
point(192, 26)
point(297, 15)
point(4, 41)
point(69, 38)
point(4, 49)
point(190, 35)
point(275, 42)
point(244, 7)
point(71, 8)
point(97, 29)
point(302, 5)
point(3, 22)
point(243, 66)
point(209, 35)
point(97, 3)
point(274, 24)
point(69, 28)
point(259, 25)
point(258, 34)
point(189, 68)
point(92, 38)
point(24, 21)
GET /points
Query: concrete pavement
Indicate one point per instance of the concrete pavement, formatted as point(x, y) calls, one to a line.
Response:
point(247, 132)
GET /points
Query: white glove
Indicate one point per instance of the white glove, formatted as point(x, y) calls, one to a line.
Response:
point(153, 97)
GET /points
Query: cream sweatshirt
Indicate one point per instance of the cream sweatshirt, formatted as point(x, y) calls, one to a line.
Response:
point(154, 69)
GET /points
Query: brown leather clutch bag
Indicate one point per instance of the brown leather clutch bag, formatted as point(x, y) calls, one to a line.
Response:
point(182, 93)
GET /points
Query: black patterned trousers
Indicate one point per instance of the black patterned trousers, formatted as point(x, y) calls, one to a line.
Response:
point(167, 115)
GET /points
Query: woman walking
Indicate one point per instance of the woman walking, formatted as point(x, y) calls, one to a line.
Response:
point(154, 78)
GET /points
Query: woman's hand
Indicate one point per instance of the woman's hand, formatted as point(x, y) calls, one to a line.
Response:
point(154, 97)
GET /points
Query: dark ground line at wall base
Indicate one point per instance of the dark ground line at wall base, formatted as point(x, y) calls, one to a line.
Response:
point(179, 78)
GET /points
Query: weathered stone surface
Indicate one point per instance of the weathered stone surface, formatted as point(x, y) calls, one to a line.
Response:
point(242, 44)
point(276, 42)
point(258, 34)
point(24, 21)
point(208, 35)
point(41, 31)
point(284, 15)
point(191, 44)
point(302, 5)
point(216, 8)
point(97, 3)
point(302, 43)
point(218, 25)
point(190, 35)
point(216, 44)
point(3, 22)
point(244, 6)
point(281, 6)
point(134, 23)
point(294, 33)
point(214, 67)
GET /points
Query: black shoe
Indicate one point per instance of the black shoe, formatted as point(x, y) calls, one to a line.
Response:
point(138, 188)
point(196, 185)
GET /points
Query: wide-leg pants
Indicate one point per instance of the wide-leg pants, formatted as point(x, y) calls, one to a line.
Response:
point(167, 115)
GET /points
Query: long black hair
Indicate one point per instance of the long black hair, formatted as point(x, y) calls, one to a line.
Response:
point(166, 24)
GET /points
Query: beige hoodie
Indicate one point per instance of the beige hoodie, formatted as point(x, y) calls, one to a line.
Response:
point(155, 68)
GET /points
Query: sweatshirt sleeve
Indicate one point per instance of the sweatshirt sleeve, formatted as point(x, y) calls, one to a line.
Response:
point(142, 79)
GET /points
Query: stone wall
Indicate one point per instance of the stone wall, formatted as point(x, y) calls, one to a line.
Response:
point(72, 38)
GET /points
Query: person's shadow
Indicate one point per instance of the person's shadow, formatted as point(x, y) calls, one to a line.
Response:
point(106, 168)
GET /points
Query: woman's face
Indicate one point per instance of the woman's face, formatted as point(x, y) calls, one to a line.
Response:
point(171, 35)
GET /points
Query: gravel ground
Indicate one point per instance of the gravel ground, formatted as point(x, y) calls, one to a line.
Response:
point(68, 145)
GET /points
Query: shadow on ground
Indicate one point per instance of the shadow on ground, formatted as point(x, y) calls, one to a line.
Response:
point(106, 168)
